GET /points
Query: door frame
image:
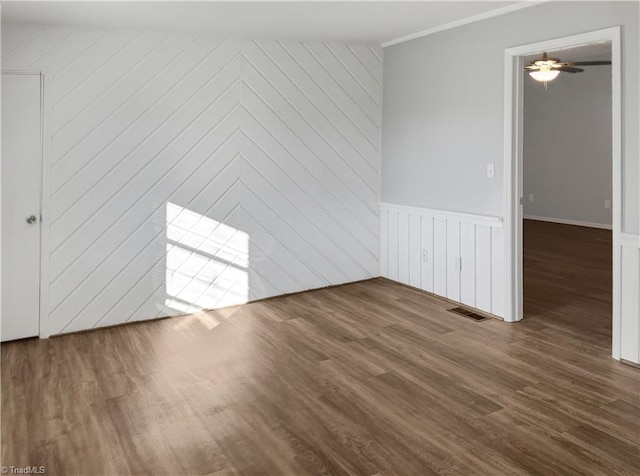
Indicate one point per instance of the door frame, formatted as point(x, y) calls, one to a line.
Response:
point(45, 195)
point(513, 166)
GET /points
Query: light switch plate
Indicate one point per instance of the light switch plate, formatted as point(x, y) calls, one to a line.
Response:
point(491, 170)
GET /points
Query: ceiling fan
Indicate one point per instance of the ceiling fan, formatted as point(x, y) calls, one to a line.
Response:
point(546, 69)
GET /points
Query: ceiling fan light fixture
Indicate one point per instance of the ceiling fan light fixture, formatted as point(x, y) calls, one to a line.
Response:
point(544, 74)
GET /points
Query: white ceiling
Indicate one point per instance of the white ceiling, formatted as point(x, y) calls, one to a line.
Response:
point(373, 21)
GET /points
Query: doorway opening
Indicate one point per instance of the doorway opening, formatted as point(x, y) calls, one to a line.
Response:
point(567, 189)
point(572, 270)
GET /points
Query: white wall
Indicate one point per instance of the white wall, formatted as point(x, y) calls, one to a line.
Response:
point(567, 147)
point(444, 116)
point(192, 173)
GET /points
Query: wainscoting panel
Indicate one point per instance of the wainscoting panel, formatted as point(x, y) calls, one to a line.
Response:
point(403, 248)
point(498, 272)
point(441, 254)
point(453, 265)
point(426, 253)
point(415, 245)
point(459, 256)
point(393, 247)
point(630, 298)
point(468, 257)
point(190, 173)
point(482, 276)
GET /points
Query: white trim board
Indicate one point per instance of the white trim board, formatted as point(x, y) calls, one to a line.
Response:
point(487, 220)
point(563, 221)
point(465, 21)
point(630, 240)
point(45, 208)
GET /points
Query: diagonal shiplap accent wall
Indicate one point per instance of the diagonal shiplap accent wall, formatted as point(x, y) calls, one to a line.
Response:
point(192, 173)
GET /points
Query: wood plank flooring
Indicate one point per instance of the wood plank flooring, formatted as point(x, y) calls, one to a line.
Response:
point(370, 378)
point(568, 279)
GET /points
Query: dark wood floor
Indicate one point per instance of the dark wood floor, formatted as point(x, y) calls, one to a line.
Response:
point(568, 279)
point(367, 378)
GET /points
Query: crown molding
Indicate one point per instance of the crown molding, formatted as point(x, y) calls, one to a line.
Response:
point(465, 21)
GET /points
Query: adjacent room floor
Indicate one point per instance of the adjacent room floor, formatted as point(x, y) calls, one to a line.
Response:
point(568, 279)
point(366, 378)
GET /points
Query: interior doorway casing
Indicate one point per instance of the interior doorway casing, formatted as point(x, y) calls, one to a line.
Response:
point(513, 166)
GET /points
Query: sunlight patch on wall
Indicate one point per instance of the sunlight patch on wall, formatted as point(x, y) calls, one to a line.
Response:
point(207, 262)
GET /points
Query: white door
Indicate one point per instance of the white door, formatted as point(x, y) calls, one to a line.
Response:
point(21, 172)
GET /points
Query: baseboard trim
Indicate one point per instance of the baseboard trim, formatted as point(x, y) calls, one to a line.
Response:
point(629, 362)
point(442, 298)
point(562, 221)
point(218, 309)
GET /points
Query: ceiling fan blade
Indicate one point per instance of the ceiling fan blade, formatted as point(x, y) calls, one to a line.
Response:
point(588, 63)
point(569, 69)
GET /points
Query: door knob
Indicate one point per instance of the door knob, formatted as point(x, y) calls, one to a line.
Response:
point(31, 219)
